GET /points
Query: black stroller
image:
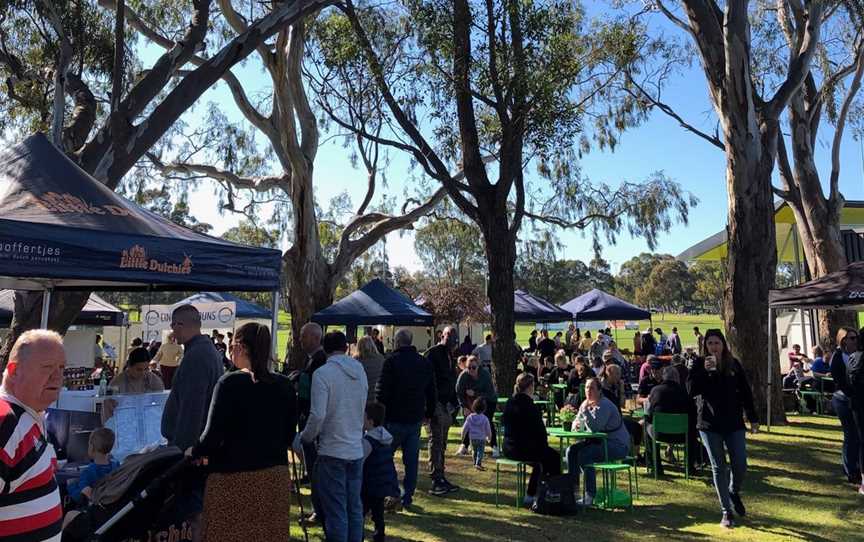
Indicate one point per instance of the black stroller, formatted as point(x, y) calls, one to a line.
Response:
point(138, 501)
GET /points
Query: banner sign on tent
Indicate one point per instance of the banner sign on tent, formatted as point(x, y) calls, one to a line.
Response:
point(213, 316)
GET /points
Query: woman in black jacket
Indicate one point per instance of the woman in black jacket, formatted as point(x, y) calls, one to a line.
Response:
point(847, 344)
point(723, 395)
point(525, 435)
point(252, 422)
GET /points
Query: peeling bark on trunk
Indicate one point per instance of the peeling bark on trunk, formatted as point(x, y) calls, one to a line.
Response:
point(751, 268)
point(817, 217)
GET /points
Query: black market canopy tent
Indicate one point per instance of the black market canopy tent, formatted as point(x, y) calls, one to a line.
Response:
point(97, 311)
point(841, 289)
point(244, 309)
point(597, 305)
point(60, 228)
point(374, 304)
point(531, 308)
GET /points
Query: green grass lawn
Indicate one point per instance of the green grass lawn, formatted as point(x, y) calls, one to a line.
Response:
point(684, 323)
point(794, 491)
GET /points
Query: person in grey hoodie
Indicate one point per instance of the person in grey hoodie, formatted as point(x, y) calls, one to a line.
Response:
point(336, 419)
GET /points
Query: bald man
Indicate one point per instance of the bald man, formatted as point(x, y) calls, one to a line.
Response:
point(29, 499)
point(187, 406)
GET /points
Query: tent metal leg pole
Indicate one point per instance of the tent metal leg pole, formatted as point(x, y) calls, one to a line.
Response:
point(46, 307)
point(770, 365)
point(274, 325)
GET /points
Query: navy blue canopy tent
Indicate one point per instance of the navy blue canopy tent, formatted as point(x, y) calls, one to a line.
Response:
point(530, 308)
point(60, 228)
point(597, 305)
point(97, 311)
point(374, 304)
point(244, 309)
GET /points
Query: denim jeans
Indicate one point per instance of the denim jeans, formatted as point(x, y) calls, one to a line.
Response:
point(717, 444)
point(339, 483)
point(477, 446)
point(851, 442)
point(407, 437)
point(587, 452)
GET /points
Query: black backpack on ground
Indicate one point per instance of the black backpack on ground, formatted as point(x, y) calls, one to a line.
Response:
point(555, 496)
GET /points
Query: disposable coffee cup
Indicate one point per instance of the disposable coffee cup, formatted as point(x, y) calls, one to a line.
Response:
point(713, 365)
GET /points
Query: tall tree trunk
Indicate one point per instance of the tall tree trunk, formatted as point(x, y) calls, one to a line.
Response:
point(817, 218)
point(751, 268)
point(819, 228)
point(501, 259)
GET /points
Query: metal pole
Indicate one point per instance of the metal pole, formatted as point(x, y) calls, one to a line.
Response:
point(770, 364)
point(46, 307)
point(274, 326)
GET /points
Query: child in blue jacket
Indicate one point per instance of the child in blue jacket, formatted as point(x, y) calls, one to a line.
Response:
point(99, 449)
point(379, 472)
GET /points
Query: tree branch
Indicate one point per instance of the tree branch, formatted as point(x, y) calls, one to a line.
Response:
point(381, 225)
point(259, 184)
point(83, 114)
point(834, 191)
point(674, 19)
point(799, 62)
point(666, 109)
point(60, 72)
point(437, 169)
point(104, 166)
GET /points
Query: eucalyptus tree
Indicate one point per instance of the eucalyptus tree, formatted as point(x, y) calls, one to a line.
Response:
point(825, 100)
point(323, 249)
point(749, 102)
point(496, 89)
point(57, 48)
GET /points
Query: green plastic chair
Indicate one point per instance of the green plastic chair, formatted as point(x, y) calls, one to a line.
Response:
point(670, 424)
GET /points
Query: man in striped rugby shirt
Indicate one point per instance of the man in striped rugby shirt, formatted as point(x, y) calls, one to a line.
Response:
point(30, 508)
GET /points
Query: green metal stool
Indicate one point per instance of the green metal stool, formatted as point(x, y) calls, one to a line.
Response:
point(520, 478)
point(609, 496)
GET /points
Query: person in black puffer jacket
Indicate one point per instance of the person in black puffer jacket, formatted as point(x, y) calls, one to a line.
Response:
point(406, 388)
point(379, 472)
point(525, 435)
point(719, 385)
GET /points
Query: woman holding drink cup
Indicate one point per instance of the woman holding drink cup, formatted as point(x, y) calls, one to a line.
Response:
point(719, 385)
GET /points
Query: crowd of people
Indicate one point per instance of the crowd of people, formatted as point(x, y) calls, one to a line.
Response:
point(349, 409)
point(704, 383)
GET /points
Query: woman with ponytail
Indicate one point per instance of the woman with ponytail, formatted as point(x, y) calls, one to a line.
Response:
point(250, 427)
point(525, 435)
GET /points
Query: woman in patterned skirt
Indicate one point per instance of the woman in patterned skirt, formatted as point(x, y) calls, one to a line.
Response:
point(250, 427)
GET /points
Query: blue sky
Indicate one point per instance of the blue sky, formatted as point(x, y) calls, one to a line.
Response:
point(658, 144)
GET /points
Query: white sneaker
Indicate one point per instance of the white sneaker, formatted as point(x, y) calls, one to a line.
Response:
point(462, 450)
point(495, 452)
